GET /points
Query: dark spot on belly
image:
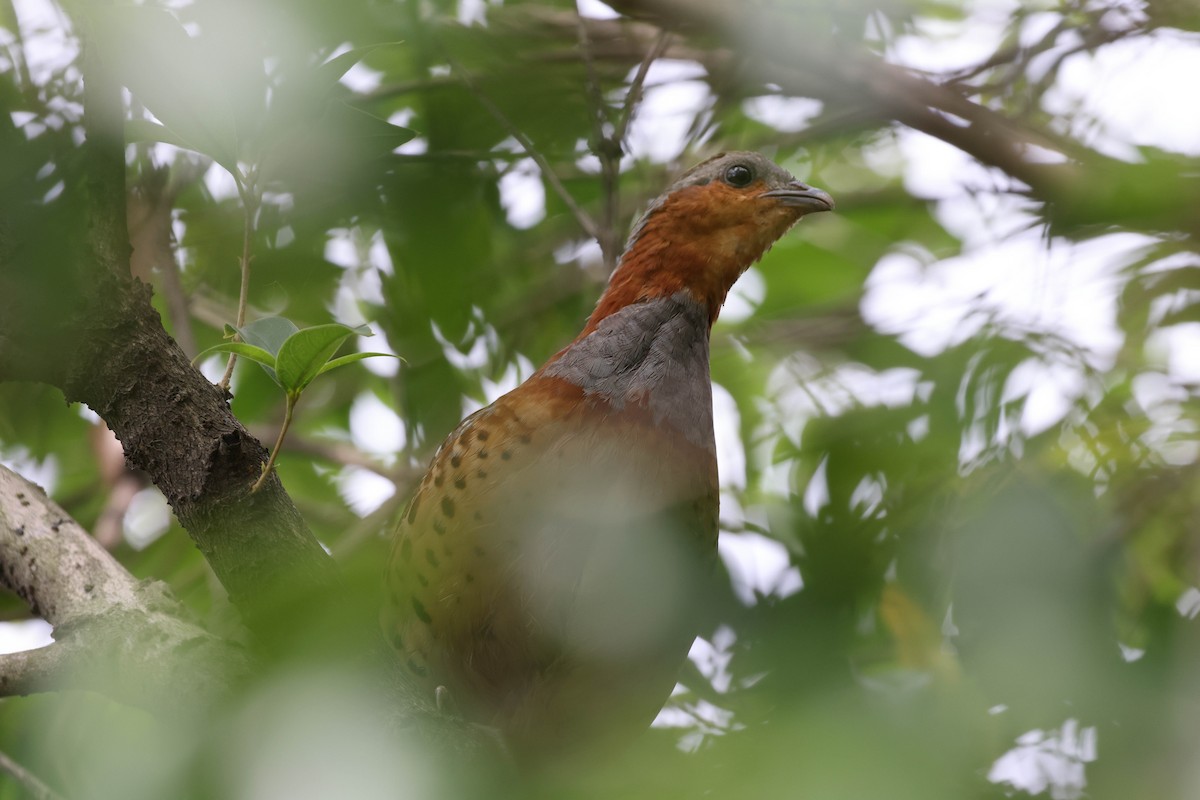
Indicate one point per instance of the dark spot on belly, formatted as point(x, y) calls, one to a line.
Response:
point(416, 668)
point(456, 459)
point(397, 640)
point(448, 507)
point(506, 454)
point(479, 551)
point(420, 611)
point(432, 558)
point(470, 578)
point(437, 479)
point(460, 482)
point(481, 473)
point(482, 454)
point(439, 528)
point(478, 516)
point(525, 438)
point(421, 579)
point(412, 509)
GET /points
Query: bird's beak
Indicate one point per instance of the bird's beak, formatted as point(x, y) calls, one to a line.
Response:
point(801, 195)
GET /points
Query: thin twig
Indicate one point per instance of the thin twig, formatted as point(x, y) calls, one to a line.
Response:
point(593, 80)
point(585, 221)
point(33, 783)
point(250, 208)
point(634, 95)
point(609, 145)
point(607, 148)
point(341, 453)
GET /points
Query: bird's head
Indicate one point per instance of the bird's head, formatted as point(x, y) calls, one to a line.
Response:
point(734, 204)
point(716, 220)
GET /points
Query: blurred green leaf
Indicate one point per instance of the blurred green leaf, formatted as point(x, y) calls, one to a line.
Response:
point(166, 70)
point(143, 130)
point(269, 333)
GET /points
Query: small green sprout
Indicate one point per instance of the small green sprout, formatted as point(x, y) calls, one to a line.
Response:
point(293, 357)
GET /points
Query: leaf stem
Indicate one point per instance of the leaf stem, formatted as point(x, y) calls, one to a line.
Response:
point(283, 429)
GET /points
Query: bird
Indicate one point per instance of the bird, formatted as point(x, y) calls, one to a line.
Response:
point(546, 574)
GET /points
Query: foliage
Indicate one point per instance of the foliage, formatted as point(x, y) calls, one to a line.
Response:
point(291, 357)
point(962, 557)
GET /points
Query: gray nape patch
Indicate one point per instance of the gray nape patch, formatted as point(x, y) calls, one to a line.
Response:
point(657, 350)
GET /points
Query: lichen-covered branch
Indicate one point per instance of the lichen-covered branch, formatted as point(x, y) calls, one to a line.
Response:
point(114, 634)
point(49, 561)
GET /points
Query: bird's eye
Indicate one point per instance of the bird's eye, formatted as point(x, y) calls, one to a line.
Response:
point(739, 175)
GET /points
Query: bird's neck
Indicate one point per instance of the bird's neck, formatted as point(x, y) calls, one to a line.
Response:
point(660, 265)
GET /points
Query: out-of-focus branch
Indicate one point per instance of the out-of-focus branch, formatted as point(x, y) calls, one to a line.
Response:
point(336, 452)
point(1083, 186)
point(582, 217)
point(609, 137)
point(834, 328)
point(607, 149)
point(32, 671)
point(121, 483)
point(150, 205)
point(634, 94)
point(32, 783)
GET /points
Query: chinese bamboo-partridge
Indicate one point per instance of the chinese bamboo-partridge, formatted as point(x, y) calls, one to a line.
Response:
point(546, 570)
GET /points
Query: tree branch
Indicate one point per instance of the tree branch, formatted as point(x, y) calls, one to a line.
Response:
point(113, 634)
point(60, 572)
point(1083, 186)
point(72, 316)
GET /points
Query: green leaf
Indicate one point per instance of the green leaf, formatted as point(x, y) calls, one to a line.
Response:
point(143, 130)
point(355, 123)
point(305, 352)
point(166, 70)
point(329, 73)
point(256, 354)
point(310, 129)
point(269, 333)
point(350, 359)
